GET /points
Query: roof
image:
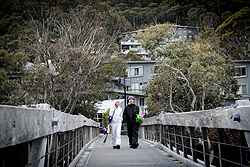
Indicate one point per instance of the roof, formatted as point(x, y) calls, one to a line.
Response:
point(174, 25)
point(241, 61)
point(142, 62)
point(133, 93)
point(130, 43)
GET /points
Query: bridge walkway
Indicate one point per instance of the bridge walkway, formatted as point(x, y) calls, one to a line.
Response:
point(146, 155)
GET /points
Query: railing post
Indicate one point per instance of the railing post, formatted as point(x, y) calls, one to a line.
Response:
point(170, 137)
point(175, 141)
point(68, 148)
point(163, 140)
point(88, 134)
point(64, 139)
point(49, 144)
point(29, 163)
point(91, 132)
point(143, 132)
point(154, 133)
point(191, 131)
point(84, 132)
point(72, 143)
point(219, 152)
point(38, 152)
point(221, 140)
point(150, 132)
point(160, 133)
point(205, 146)
point(56, 150)
point(243, 159)
point(182, 142)
point(77, 141)
point(81, 138)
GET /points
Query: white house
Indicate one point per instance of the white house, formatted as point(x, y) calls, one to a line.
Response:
point(242, 71)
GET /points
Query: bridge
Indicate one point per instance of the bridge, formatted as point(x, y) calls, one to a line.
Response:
point(38, 138)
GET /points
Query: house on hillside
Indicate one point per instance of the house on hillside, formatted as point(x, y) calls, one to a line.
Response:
point(181, 33)
point(242, 71)
point(129, 43)
point(139, 73)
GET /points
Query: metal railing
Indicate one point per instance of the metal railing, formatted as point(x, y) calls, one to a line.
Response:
point(62, 148)
point(55, 139)
point(208, 143)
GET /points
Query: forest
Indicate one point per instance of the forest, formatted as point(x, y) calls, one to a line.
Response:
point(228, 17)
point(23, 24)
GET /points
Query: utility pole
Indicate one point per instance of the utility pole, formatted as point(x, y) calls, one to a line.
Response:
point(124, 87)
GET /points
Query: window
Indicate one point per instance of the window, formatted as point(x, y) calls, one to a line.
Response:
point(242, 89)
point(240, 71)
point(135, 86)
point(141, 86)
point(133, 46)
point(155, 68)
point(125, 47)
point(136, 71)
point(141, 101)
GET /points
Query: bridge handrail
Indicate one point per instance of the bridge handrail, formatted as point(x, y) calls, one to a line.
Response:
point(216, 118)
point(218, 137)
point(20, 124)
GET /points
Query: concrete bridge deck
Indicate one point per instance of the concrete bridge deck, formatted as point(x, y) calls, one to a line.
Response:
point(103, 155)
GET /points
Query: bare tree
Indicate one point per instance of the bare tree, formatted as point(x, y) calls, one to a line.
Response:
point(73, 47)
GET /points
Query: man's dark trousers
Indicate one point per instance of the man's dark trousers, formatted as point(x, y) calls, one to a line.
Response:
point(133, 135)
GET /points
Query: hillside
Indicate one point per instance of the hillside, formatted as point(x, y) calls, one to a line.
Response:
point(230, 18)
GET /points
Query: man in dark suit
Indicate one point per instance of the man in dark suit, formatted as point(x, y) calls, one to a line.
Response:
point(129, 115)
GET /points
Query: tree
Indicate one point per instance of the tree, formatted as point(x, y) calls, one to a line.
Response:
point(235, 34)
point(105, 117)
point(11, 70)
point(68, 43)
point(192, 76)
point(116, 67)
point(151, 37)
point(70, 49)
